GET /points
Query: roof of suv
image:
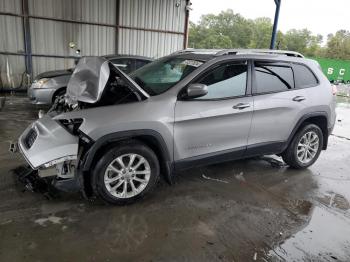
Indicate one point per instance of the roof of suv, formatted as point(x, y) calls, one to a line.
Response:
point(208, 54)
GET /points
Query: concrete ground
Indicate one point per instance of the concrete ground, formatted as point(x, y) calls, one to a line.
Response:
point(247, 210)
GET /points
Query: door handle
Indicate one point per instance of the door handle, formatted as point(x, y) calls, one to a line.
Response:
point(241, 106)
point(299, 98)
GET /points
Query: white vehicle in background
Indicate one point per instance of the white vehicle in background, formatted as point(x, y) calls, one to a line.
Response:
point(49, 85)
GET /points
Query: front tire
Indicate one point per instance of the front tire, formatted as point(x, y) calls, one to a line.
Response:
point(304, 148)
point(58, 94)
point(126, 173)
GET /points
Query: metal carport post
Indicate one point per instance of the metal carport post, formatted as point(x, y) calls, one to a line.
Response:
point(275, 23)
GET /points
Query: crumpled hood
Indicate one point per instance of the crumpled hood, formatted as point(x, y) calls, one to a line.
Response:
point(50, 74)
point(88, 80)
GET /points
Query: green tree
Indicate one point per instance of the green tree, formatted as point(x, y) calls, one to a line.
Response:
point(302, 41)
point(297, 40)
point(201, 37)
point(261, 33)
point(225, 30)
point(231, 30)
point(338, 45)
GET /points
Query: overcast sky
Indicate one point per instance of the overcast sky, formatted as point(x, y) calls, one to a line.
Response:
point(319, 16)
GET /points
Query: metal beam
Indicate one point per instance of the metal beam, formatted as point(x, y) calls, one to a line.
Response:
point(27, 38)
point(39, 55)
point(187, 20)
point(117, 13)
point(275, 23)
point(92, 23)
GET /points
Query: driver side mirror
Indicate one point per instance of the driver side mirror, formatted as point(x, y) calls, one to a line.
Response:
point(196, 90)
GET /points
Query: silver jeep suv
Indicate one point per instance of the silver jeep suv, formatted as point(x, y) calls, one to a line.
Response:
point(114, 135)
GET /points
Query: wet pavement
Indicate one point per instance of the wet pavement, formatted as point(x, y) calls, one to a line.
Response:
point(247, 210)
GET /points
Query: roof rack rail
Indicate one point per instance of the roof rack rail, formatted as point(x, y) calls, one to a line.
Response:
point(197, 51)
point(187, 50)
point(258, 51)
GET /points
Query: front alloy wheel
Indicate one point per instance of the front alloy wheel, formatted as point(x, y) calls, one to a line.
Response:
point(125, 173)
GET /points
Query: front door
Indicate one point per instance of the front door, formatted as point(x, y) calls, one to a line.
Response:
point(217, 124)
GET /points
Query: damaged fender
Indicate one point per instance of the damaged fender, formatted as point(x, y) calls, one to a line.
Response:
point(46, 142)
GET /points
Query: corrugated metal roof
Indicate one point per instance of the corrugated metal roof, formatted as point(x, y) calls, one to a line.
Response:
point(153, 14)
point(42, 64)
point(168, 15)
point(101, 11)
point(11, 33)
point(52, 38)
point(151, 44)
point(11, 6)
point(12, 69)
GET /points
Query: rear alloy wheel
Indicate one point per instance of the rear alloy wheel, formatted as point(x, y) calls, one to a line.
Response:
point(308, 147)
point(126, 173)
point(305, 147)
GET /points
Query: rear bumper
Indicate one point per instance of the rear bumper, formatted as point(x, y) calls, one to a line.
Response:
point(52, 144)
point(330, 128)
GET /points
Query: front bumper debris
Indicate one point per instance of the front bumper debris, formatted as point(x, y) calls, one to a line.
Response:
point(47, 186)
point(13, 147)
point(32, 182)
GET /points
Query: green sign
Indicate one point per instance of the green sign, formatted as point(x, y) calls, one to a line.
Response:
point(335, 69)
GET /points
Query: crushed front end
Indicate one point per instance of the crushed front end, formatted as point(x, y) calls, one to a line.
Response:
point(51, 149)
point(54, 145)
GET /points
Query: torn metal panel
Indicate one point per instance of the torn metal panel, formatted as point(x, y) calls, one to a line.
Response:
point(88, 80)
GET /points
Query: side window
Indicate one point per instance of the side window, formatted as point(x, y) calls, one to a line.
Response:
point(304, 77)
point(123, 64)
point(140, 63)
point(271, 77)
point(227, 80)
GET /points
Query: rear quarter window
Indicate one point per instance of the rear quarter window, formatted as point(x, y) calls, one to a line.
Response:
point(304, 77)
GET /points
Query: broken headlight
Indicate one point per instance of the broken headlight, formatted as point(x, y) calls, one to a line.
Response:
point(71, 125)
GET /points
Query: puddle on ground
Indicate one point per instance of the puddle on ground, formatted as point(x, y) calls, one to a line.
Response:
point(302, 207)
point(325, 238)
point(334, 200)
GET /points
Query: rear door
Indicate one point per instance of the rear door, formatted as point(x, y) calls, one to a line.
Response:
point(218, 123)
point(278, 105)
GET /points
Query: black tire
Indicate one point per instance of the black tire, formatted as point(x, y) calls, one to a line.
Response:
point(132, 147)
point(58, 93)
point(290, 154)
